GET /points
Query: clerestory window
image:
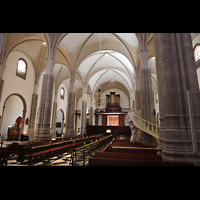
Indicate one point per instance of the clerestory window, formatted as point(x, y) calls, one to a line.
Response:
point(62, 93)
point(197, 52)
point(21, 68)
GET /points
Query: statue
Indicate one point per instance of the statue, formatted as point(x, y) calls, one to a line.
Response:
point(133, 133)
point(132, 127)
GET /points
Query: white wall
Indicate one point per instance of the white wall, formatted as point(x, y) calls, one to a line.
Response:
point(59, 119)
point(62, 104)
point(13, 109)
point(14, 84)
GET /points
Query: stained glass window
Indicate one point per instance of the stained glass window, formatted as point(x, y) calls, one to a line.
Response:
point(21, 68)
point(197, 52)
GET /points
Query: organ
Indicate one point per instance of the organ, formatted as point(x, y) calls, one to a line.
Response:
point(113, 115)
point(113, 102)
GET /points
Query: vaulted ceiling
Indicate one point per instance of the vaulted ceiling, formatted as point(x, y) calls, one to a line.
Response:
point(98, 59)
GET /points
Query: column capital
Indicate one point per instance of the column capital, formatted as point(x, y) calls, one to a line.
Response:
point(71, 86)
point(84, 96)
point(50, 62)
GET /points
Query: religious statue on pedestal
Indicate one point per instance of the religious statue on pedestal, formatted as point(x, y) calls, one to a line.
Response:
point(132, 127)
point(133, 133)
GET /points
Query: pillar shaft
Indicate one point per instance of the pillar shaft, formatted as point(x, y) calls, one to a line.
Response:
point(83, 117)
point(32, 116)
point(43, 126)
point(69, 130)
point(91, 115)
point(2, 69)
point(176, 73)
point(146, 98)
point(54, 118)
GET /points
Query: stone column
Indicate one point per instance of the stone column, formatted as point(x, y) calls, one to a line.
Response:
point(69, 130)
point(99, 120)
point(91, 110)
point(146, 98)
point(137, 92)
point(1, 42)
point(176, 73)
point(54, 117)
point(91, 115)
point(83, 114)
point(137, 100)
point(43, 126)
point(32, 116)
point(2, 69)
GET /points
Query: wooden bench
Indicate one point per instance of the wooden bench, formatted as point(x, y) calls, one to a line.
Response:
point(3, 156)
point(133, 150)
point(132, 156)
point(45, 152)
point(128, 162)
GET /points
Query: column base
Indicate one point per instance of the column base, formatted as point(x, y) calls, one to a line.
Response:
point(70, 133)
point(176, 146)
point(147, 139)
point(83, 131)
point(31, 133)
point(179, 156)
point(42, 136)
point(43, 133)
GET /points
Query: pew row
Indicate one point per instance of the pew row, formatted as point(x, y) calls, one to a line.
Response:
point(129, 162)
point(41, 150)
point(133, 156)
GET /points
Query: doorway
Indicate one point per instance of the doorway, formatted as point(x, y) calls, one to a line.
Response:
point(14, 109)
point(59, 123)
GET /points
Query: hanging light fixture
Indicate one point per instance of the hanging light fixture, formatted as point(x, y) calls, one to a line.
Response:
point(98, 96)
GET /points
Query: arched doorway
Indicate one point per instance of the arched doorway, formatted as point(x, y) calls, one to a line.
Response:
point(59, 123)
point(13, 109)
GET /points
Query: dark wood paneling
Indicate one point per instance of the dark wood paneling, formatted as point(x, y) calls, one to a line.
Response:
point(116, 130)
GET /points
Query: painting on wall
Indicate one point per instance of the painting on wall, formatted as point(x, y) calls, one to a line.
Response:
point(112, 120)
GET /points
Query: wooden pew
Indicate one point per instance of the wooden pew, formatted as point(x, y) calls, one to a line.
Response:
point(132, 156)
point(128, 162)
point(3, 156)
point(37, 151)
point(133, 150)
point(45, 152)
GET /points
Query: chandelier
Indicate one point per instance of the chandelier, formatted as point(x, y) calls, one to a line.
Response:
point(98, 97)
